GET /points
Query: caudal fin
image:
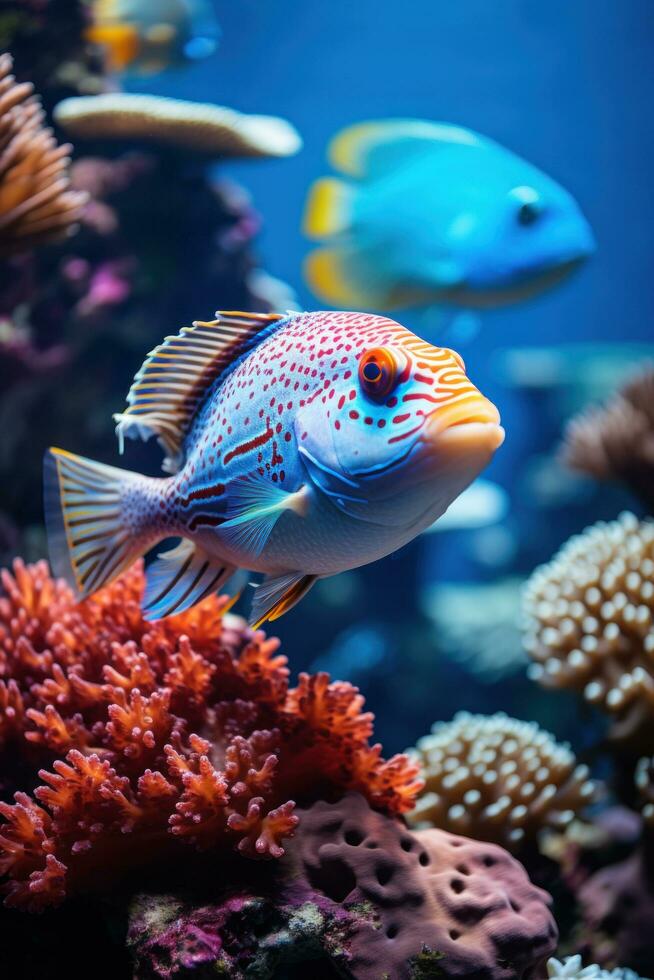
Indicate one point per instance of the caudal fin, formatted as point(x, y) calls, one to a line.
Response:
point(89, 539)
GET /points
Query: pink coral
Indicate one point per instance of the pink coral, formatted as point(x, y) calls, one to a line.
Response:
point(156, 735)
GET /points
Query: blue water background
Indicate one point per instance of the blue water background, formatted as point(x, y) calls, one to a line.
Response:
point(569, 86)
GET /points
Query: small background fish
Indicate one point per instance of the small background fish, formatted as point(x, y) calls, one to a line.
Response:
point(145, 37)
point(436, 213)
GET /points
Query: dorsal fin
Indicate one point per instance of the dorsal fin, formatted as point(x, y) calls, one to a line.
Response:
point(371, 149)
point(170, 386)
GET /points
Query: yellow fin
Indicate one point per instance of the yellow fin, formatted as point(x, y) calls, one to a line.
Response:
point(328, 208)
point(324, 272)
point(120, 40)
point(353, 150)
point(175, 376)
point(277, 594)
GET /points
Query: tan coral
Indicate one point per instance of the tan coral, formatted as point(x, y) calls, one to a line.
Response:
point(498, 779)
point(616, 441)
point(36, 202)
point(589, 621)
point(193, 126)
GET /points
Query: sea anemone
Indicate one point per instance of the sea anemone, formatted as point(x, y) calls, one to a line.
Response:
point(588, 621)
point(36, 202)
point(498, 779)
point(199, 127)
point(156, 735)
point(616, 442)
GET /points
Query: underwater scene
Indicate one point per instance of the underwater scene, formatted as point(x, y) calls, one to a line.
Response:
point(326, 490)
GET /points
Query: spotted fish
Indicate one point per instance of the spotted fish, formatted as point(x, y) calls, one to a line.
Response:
point(298, 446)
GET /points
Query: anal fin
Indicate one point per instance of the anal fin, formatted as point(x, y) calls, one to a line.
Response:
point(180, 578)
point(277, 594)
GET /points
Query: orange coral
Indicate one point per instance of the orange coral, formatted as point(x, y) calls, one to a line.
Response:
point(159, 735)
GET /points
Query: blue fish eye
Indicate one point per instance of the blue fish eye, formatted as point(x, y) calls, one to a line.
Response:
point(528, 213)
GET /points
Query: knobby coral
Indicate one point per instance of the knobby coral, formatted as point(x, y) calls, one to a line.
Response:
point(498, 779)
point(183, 730)
point(571, 969)
point(36, 202)
point(589, 621)
point(194, 126)
point(616, 442)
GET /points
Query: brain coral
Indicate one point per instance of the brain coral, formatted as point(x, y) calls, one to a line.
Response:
point(616, 442)
point(36, 203)
point(498, 779)
point(356, 895)
point(588, 621)
point(193, 126)
point(153, 735)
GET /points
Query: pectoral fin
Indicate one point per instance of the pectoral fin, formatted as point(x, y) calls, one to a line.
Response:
point(254, 505)
point(180, 578)
point(277, 594)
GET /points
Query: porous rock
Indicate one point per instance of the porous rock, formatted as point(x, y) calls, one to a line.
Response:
point(357, 895)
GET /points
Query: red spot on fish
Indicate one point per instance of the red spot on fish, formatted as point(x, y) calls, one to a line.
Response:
point(397, 419)
point(354, 414)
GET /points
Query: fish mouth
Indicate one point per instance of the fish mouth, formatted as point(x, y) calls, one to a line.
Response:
point(469, 424)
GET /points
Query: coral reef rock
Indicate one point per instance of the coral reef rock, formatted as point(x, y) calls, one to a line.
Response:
point(36, 202)
point(616, 442)
point(617, 911)
point(498, 779)
point(357, 895)
point(571, 969)
point(589, 622)
point(158, 735)
point(196, 127)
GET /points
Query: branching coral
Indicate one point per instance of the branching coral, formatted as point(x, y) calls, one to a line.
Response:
point(194, 126)
point(179, 731)
point(589, 621)
point(616, 442)
point(498, 779)
point(36, 202)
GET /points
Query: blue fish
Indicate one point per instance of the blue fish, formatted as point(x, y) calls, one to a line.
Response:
point(434, 213)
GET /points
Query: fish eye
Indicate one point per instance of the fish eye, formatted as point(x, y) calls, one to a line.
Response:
point(528, 213)
point(378, 373)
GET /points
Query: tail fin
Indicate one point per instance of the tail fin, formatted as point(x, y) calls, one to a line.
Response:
point(89, 539)
point(328, 208)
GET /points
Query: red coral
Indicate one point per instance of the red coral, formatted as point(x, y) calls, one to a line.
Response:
point(159, 735)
